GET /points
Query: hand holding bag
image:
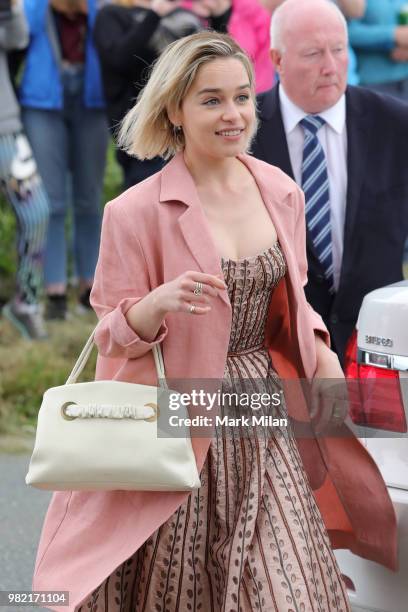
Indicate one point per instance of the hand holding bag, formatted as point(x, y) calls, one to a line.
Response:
point(103, 435)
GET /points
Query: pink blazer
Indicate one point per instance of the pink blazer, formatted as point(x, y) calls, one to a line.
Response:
point(151, 234)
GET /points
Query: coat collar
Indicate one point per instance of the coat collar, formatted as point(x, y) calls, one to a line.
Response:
point(177, 185)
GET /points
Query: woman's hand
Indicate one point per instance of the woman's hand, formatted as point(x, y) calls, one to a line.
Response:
point(146, 317)
point(329, 396)
point(179, 296)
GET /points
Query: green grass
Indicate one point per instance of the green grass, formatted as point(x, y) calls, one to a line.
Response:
point(27, 369)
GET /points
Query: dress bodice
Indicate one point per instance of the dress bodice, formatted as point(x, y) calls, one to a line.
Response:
point(250, 283)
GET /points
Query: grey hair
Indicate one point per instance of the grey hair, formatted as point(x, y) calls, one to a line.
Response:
point(278, 22)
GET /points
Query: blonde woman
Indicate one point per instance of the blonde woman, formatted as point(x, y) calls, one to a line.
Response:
point(208, 258)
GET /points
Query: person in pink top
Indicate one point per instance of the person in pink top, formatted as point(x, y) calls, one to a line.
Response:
point(249, 25)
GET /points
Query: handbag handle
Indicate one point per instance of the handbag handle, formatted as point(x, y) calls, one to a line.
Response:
point(87, 350)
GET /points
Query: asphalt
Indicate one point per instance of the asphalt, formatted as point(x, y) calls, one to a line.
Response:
point(22, 511)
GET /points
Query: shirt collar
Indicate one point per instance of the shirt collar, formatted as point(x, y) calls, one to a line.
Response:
point(335, 116)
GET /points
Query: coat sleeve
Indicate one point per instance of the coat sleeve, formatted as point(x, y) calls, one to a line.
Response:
point(300, 250)
point(371, 36)
point(121, 280)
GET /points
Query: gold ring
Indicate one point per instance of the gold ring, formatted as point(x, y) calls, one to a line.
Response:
point(192, 308)
point(198, 288)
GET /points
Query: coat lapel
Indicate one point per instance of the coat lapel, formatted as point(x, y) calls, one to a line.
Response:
point(271, 137)
point(178, 186)
point(278, 208)
point(358, 138)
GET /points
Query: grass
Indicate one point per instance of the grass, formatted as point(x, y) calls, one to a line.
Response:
point(28, 368)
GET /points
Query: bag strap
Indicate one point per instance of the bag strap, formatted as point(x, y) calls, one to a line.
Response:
point(87, 350)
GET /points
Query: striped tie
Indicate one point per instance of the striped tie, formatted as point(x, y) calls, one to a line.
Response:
point(315, 184)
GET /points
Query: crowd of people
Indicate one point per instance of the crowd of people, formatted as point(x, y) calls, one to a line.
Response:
point(85, 63)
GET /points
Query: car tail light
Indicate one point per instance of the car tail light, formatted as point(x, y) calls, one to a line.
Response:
point(374, 391)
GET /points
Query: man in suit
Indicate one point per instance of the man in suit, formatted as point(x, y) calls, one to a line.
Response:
point(348, 149)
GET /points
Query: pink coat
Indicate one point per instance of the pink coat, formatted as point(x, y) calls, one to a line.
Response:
point(151, 234)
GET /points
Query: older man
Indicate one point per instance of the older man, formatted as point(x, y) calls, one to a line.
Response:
point(348, 149)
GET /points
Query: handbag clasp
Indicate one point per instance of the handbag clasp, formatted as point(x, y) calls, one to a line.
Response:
point(64, 414)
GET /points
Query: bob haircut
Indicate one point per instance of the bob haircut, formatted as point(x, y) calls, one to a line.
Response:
point(146, 131)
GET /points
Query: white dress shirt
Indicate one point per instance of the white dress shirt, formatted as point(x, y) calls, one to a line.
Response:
point(333, 138)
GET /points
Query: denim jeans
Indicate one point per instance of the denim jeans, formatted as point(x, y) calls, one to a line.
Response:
point(70, 142)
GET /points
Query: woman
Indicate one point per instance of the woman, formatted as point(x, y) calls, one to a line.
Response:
point(208, 257)
point(129, 36)
point(23, 190)
point(63, 113)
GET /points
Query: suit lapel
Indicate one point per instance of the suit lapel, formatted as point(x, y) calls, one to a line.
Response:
point(358, 138)
point(271, 136)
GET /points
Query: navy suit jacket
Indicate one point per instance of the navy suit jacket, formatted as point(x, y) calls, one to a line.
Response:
point(376, 223)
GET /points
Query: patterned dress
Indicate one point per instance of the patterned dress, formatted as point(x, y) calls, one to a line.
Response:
point(252, 537)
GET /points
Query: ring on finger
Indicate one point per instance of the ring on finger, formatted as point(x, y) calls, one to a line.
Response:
point(192, 308)
point(198, 289)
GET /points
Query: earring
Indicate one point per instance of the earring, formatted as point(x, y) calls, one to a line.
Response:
point(177, 129)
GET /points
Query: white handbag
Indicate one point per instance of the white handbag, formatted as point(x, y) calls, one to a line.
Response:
point(103, 435)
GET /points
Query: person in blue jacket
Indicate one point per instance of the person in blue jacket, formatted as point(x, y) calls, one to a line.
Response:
point(352, 9)
point(381, 44)
point(64, 117)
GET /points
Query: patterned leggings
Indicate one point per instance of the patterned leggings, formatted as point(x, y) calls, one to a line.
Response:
point(23, 189)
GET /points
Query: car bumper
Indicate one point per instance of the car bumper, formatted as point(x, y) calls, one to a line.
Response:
point(378, 589)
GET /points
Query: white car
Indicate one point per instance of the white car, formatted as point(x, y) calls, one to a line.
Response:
point(378, 353)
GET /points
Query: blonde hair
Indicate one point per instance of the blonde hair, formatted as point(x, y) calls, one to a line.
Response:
point(146, 130)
